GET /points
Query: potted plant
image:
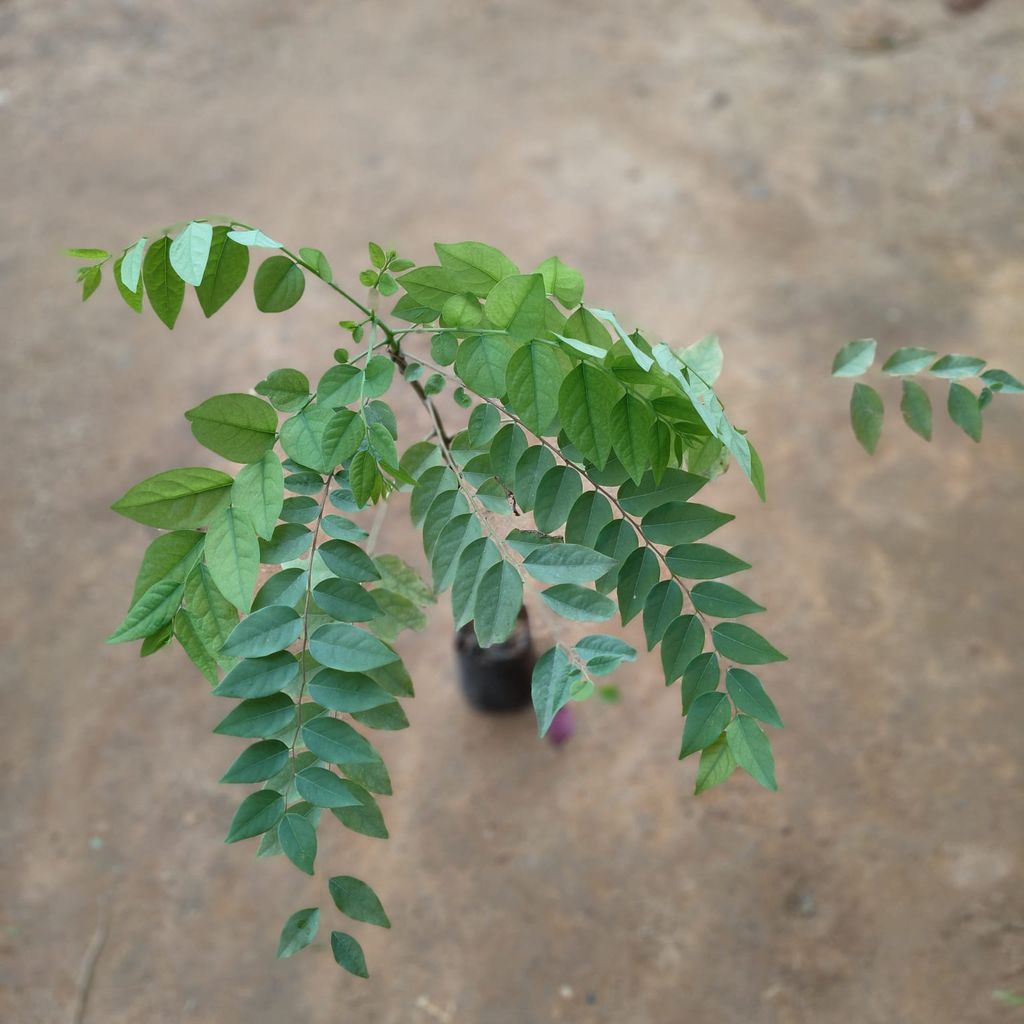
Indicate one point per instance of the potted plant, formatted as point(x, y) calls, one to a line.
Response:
point(578, 475)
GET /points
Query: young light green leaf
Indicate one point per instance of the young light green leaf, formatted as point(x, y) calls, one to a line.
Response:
point(258, 492)
point(553, 677)
point(88, 254)
point(233, 557)
point(916, 407)
point(169, 556)
point(190, 251)
point(564, 282)
point(131, 266)
point(581, 604)
point(349, 954)
point(254, 239)
point(298, 840)
point(287, 389)
point(482, 363)
point(705, 722)
point(177, 498)
point(278, 285)
point(257, 763)
point(752, 750)
point(516, 304)
point(964, 410)
point(534, 378)
point(705, 358)
point(357, 900)
point(744, 645)
point(258, 813)
point(748, 695)
point(854, 358)
point(317, 262)
point(348, 648)
point(716, 765)
point(908, 360)
point(299, 931)
point(474, 267)
point(238, 427)
point(165, 289)
point(155, 608)
point(226, 268)
point(266, 631)
point(722, 601)
point(566, 563)
point(866, 413)
point(131, 298)
point(498, 600)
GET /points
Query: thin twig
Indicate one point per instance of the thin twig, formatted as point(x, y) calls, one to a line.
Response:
point(87, 969)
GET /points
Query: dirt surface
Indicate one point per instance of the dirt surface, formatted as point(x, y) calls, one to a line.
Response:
point(788, 174)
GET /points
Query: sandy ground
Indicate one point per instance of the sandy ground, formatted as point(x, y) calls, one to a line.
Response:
point(788, 173)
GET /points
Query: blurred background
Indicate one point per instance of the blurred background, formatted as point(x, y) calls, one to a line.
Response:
point(790, 174)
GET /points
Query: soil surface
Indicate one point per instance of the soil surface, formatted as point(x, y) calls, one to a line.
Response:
point(788, 173)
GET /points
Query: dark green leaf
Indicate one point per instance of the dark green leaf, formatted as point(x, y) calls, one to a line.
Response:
point(357, 900)
point(744, 645)
point(165, 289)
point(866, 414)
point(323, 788)
point(258, 813)
point(286, 587)
point(916, 407)
point(259, 677)
point(347, 691)
point(349, 954)
point(260, 716)
point(264, 632)
point(682, 522)
point(632, 429)
point(534, 378)
point(722, 601)
point(341, 646)
point(225, 271)
point(336, 741)
point(346, 601)
point(258, 762)
point(617, 540)
point(587, 518)
point(708, 716)
point(675, 485)
point(299, 931)
point(684, 640)
point(533, 465)
point(298, 840)
point(748, 695)
point(663, 604)
point(566, 563)
point(473, 563)
point(580, 604)
point(498, 600)
point(964, 410)
point(348, 561)
point(556, 494)
point(638, 575)
point(278, 285)
point(603, 654)
point(585, 401)
point(703, 562)
point(456, 535)
point(700, 676)
point(553, 677)
point(365, 818)
point(507, 449)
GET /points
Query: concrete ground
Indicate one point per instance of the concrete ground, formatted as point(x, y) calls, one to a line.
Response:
point(788, 173)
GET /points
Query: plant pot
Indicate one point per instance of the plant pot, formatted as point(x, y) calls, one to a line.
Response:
point(496, 678)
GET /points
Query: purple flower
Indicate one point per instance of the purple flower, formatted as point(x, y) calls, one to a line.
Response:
point(563, 725)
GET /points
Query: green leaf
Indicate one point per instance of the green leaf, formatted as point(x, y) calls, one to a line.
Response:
point(278, 285)
point(322, 788)
point(638, 575)
point(346, 601)
point(703, 562)
point(908, 360)
point(564, 282)
point(192, 642)
point(641, 359)
point(553, 677)
point(165, 289)
point(498, 600)
point(177, 498)
point(233, 557)
point(752, 751)
point(258, 716)
point(443, 508)
point(258, 813)
point(748, 695)
point(213, 615)
point(964, 410)
point(916, 407)
point(336, 741)
point(429, 288)
point(474, 267)
point(266, 631)
point(716, 765)
point(88, 254)
point(854, 358)
point(534, 378)
point(675, 485)
point(556, 494)
point(700, 676)
point(317, 262)
point(169, 556)
point(364, 477)
point(348, 561)
point(534, 464)
point(258, 492)
point(591, 513)
point(379, 372)
point(462, 312)
point(288, 542)
point(298, 840)
point(285, 587)
point(257, 763)
point(155, 608)
point(91, 277)
point(585, 401)
point(708, 716)
point(239, 427)
point(663, 604)
point(507, 449)
point(226, 268)
point(603, 654)
point(349, 954)
point(259, 677)
point(1003, 382)
point(190, 251)
point(744, 645)
point(347, 691)
point(617, 540)
point(357, 900)
point(682, 522)
point(566, 563)
point(340, 385)
point(482, 363)
point(722, 601)
point(956, 367)
point(253, 238)
point(287, 389)
point(632, 428)
point(473, 563)
point(581, 604)
point(585, 327)
point(342, 646)
point(684, 640)
point(302, 439)
point(456, 535)
point(705, 358)
point(299, 931)
point(132, 298)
